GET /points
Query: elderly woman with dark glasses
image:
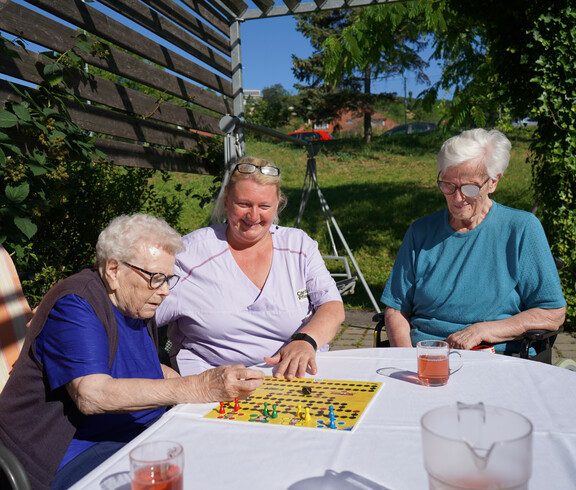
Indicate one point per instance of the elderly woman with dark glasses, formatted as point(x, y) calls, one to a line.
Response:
point(89, 379)
point(251, 291)
point(475, 272)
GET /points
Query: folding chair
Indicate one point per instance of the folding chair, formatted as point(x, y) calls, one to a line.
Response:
point(14, 315)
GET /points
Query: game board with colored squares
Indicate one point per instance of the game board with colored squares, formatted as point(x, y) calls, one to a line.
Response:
point(302, 402)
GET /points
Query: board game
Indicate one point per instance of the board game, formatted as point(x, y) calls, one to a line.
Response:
point(302, 402)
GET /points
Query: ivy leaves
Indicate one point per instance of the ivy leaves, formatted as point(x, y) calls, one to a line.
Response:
point(36, 139)
point(554, 148)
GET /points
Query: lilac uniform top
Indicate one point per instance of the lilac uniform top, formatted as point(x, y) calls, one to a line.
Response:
point(220, 317)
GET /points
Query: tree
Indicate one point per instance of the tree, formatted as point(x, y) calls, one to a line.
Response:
point(380, 41)
point(504, 60)
point(273, 109)
point(353, 88)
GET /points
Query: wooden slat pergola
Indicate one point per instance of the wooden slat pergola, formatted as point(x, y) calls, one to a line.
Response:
point(173, 68)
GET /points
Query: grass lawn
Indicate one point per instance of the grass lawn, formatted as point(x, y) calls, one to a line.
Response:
point(374, 192)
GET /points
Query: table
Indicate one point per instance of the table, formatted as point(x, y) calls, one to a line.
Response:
point(384, 451)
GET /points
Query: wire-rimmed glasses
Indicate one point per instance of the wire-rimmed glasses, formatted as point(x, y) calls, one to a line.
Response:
point(469, 190)
point(250, 168)
point(157, 279)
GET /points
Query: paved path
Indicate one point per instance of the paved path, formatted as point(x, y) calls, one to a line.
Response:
point(358, 332)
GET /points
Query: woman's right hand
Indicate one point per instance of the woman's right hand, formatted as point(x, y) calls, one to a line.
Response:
point(225, 383)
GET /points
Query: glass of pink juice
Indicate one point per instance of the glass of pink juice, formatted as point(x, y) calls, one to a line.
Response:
point(434, 362)
point(157, 465)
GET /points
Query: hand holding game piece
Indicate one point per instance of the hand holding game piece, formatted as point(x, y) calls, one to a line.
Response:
point(222, 383)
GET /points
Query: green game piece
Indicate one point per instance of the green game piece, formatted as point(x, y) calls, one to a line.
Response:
point(265, 412)
point(274, 413)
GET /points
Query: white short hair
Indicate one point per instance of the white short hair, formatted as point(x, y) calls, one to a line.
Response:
point(489, 148)
point(123, 237)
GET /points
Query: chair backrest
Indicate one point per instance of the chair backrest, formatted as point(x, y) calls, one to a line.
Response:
point(14, 315)
point(12, 473)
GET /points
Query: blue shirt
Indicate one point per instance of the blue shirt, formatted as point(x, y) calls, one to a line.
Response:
point(73, 343)
point(448, 280)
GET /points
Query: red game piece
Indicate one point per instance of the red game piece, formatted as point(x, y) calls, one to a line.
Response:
point(222, 409)
point(236, 405)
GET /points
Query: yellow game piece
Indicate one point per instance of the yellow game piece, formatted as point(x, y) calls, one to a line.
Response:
point(299, 412)
point(307, 416)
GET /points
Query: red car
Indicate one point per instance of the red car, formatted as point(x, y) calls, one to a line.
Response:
point(312, 135)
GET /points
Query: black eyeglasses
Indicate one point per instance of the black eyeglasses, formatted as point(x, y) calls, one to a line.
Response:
point(157, 279)
point(469, 190)
point(250, 168)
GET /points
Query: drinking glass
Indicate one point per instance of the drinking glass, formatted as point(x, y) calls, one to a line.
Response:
point(157, 465)
point(434, 362)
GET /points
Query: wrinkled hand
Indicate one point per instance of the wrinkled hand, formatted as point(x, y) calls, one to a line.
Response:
point(293, 360)
point(225, 383)
point(467, 338)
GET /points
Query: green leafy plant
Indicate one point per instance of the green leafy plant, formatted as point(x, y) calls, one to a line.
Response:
point(554, 148)
point(58, 191)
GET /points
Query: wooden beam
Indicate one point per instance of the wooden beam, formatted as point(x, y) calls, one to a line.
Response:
point(134, 155)
point(42, 30)
point(264, 5)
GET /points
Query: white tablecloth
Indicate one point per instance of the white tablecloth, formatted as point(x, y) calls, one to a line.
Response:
point(384, 451)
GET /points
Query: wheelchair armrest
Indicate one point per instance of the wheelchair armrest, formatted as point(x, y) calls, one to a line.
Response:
point(545, 337)
point(380, 324)
point(534, 335)
point(378, 317)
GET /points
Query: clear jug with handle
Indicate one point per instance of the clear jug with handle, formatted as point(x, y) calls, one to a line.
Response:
point(476, 446)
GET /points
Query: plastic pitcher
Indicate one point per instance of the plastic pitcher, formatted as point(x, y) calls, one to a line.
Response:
point(476, 446)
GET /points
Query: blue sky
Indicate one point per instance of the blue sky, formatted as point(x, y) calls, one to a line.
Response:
point(267, 48)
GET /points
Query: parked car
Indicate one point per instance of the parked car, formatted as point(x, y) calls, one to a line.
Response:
point(312, 135)
point(527, 121)
point(411, 128)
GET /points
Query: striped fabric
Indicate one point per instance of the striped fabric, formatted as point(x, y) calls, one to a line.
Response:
point(14, 314)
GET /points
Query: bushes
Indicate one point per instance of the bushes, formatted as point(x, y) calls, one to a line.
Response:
point(58, 191)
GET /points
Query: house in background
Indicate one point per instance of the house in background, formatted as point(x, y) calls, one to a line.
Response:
point(351, 121)
point(252, 93)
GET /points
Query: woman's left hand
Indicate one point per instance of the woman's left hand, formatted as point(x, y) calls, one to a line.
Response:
point(467, 338)
point(293, 360)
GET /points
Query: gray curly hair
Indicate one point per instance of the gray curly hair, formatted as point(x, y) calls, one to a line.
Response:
point(124, 235)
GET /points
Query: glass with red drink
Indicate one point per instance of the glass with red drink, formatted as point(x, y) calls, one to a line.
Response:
point(434, 362)
point(157, 465)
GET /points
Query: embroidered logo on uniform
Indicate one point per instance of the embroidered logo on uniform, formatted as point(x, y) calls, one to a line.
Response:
point(302, 295)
